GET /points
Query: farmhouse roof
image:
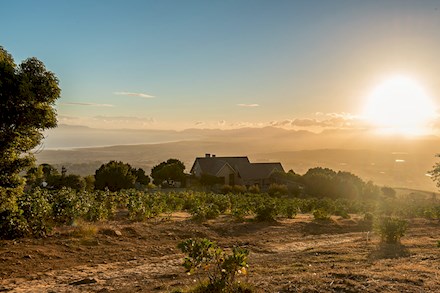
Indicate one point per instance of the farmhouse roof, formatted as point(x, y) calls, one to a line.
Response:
point(212, 165)
point(258, 170)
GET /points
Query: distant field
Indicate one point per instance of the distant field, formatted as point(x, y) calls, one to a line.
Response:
point(380, 167)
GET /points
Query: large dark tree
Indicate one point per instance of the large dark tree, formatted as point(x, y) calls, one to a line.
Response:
point(114, 176)
point(118, 175)
point(172, 169)
point(27, 95)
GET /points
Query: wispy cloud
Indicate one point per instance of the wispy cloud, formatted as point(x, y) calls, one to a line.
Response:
point(86, 104)
point(248, 105)
point(323, 120)
point(124, 119)
point(131, 94)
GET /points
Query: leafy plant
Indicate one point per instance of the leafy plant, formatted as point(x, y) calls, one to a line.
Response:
point(391, 229)
point(13, 224)
point(255, 189)
point(290, 209)
point(66, 206)
point(277, 189)
point(321, 214)
point(239, 189)
point(266, 210)
point(221, 268)
point(225, 189)
point(142, 205)
point(205, 212)
point(37, 211)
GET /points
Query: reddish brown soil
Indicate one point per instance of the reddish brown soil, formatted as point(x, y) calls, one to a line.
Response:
point(296, 255)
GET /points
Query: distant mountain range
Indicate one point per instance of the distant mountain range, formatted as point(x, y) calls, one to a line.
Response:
point(394, 161)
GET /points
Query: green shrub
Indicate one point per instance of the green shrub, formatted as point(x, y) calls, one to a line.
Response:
point(391, 229)
point(225, 189)
point(341, 213)
point(240, 207)
point(255, 189)
point(220, 200)
point(205, 212)
point(277, 189)
point(66, 206)
point(37, 211)
point(142, 205)
point(239, 189)
point(204, 256)
point(368, 217)
point(100, 205)
point(290, 209)
point(266, 210)
point(13, 224)
point(321, 215)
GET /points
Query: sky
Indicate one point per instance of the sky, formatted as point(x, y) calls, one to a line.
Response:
point(225, 64)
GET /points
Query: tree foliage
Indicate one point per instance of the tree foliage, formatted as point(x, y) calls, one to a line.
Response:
point(46, 175)
point(388, 191)
point(27, 95)
point(324, 182)
point(435, 173)
point(167, 171)
point(116, 175)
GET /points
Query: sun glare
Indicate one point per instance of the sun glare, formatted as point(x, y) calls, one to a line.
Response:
point(399, 105)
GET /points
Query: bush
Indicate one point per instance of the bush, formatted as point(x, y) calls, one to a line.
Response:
point(391, 229)
point(368, 217)
point(225, 189)
point(205, 212)
point(266, 210)
point(239, 189)
point(240, 207)
point(142, 205)
point(221, 268)
point(290, 209)
point(37, 211)
point(66, 206)
point(100, 205)
point(13, 224)
point(255, 189)
point(321, 215)
point(277, 189)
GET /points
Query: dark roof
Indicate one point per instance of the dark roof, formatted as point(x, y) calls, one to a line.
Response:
point(258, 170)
point(211, 165)
point(246, 169)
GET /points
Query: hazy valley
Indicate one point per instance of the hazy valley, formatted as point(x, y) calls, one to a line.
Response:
point(394, 161)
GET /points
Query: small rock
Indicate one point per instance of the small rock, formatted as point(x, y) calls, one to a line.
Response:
point(27, 256)
point(84, 282)
point(111, 232)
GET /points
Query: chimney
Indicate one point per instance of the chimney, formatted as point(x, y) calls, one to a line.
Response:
point(207, 155)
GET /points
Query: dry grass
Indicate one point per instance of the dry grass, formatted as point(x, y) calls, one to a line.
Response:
point(82, 229)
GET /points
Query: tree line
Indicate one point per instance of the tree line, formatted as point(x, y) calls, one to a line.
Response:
point(112, 176)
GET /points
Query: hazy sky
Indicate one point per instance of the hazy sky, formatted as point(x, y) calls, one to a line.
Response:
point(182, 64)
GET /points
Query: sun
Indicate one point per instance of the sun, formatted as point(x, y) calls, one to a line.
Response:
point(399, 105)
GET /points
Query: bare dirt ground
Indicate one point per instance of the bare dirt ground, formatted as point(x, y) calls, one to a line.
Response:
point(291, 255)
